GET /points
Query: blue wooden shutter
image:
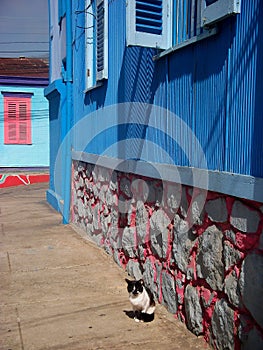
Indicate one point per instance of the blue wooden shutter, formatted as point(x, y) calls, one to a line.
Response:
point(216, 10)
point(149, 23)
point(102, 40)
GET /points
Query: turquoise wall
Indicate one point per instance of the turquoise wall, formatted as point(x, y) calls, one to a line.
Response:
point(34, 155)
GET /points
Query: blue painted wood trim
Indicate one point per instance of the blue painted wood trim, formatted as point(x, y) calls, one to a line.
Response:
point(54, 200)
point(187, 42)
point(57, 86)
point(241, 186)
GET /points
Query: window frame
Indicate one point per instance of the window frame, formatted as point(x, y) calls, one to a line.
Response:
point(147, 39)
point(95, 46)
point(218, 11)
point(182, 27)
point(17, 119)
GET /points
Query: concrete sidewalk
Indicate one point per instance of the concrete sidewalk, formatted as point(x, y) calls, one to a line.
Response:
point(58, 291)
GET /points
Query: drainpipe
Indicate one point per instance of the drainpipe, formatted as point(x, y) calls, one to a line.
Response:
point(69, 110)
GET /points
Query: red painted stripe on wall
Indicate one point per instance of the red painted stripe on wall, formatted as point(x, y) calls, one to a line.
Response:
point(8, 180)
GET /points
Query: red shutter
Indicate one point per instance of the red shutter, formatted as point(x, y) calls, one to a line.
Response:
point(17, 127)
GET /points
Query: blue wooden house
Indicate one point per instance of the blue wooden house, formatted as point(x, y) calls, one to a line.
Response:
point(156, 149)
point(24, 123)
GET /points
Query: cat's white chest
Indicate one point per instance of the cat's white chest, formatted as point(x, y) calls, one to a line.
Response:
point(140, 301)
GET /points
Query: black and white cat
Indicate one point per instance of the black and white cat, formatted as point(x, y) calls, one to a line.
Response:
point(142, 301)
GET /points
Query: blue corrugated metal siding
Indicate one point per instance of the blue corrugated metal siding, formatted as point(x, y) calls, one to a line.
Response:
point(214, 86)
point(245, 62)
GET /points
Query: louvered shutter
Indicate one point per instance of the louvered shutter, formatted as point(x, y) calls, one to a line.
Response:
point(102, 40)
point(216, 10)
point(17, 121)
point(149, 23)
point(11, 135)
point(24, 124)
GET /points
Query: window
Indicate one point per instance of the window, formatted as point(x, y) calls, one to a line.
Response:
point(96, 42)
point(166, 23)
point(149, 23)
point(17, 119)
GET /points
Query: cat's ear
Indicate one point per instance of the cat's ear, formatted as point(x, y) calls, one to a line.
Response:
point(128, 281)
point(141, 281)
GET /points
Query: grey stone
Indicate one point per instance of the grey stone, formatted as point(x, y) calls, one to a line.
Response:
point(88, 211)
point(159, 222)
point(125, 187)
point(155, 195)
point(209, 258)
point(124, 204)
point(169, 292)
point(141, 221)
point(251, 285)
point(128, 241)
point(180, 285)
point(173, 196)
point(108, 249)
point(111, 198)
point(196, 212)
point(184, 203)
point(217, 210)
point(113, 181)
point(223, 325)
point(254, 341)
point(96, 217)
point(232, 289)
point(243, 218)
point(230, 235)
point(88, 185)
point(80, 206)
point(80, 192)
point(183, 243)
point(80, 182)
point(81, 166)
point(75, 175)
point(104, 174)
point(231, 255)
point(158, 278)
point(105, 222)
point(89, 229)
point(94, 174)
point(133, 268)
point(102, 193)
point(194, 317)
point(116, 257)
point(114, 238)
point(96, 190)
point(140, 190)
point(148, 275)
point(88, 170)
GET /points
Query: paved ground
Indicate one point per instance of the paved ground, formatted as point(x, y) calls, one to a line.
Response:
point(58, 291)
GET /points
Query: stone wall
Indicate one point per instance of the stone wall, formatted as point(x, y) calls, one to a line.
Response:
point(201, 253)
